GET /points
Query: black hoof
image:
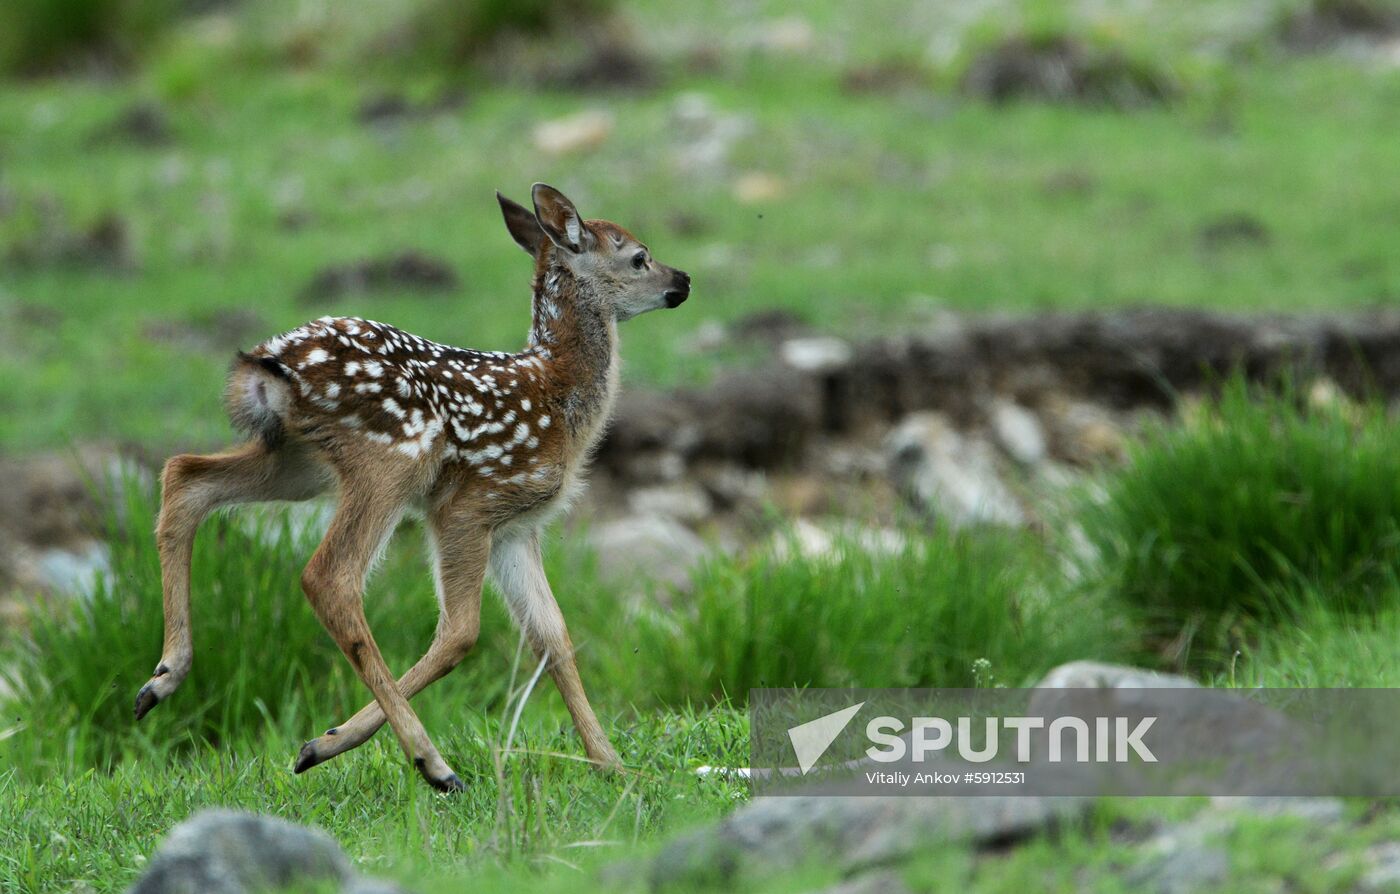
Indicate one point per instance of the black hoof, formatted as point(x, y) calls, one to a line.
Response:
point(307, 758)
point(146, 699)
point(452, 783)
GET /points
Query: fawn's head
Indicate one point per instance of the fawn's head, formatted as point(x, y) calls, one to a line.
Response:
point(616, 265)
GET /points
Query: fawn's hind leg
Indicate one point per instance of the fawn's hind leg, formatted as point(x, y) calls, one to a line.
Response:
point(460, 548)
point(191, 488)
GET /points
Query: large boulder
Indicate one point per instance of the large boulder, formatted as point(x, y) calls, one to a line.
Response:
point(230, 852)
point(855, 836)
point(646, 548)
point(948, 476)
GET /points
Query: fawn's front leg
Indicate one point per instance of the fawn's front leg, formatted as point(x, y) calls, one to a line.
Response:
point(517, 567)
point(460, 547)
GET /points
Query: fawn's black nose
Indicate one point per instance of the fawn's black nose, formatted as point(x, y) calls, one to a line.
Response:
point(679, 291)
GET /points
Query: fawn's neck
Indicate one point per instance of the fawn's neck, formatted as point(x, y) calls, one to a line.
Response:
point(576, 335)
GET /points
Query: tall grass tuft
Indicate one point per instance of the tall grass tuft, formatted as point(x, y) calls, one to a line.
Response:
point(260, 654)
point(951, 610)
point(1222, 521)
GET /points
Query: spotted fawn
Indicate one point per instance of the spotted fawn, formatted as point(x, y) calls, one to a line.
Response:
point(490, 445)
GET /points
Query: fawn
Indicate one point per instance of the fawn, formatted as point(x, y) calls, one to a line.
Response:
point(491, 445)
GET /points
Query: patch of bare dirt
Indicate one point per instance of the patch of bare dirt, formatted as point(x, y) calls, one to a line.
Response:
point(1325, 24)
point(388, 109)
point(890, 76)
point(408, 270)
point(219, 330)
point(1064, 69)
point(144, 124)
point(1238, 229)
point(52, 239)
point(609, 65)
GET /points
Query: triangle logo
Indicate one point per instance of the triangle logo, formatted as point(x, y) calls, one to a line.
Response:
point(810, 740)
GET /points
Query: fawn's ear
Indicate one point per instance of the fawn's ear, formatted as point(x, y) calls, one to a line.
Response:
point(560, 219)
point(524, 229)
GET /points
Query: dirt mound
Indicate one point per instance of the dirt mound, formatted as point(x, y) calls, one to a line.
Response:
point(409, 270)
point(1064, 69)
point(1123, 361)
point(219, 330)
point(1324, 24)
point(144, 124)
point(54, 240)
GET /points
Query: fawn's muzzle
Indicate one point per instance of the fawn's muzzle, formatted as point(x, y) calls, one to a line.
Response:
point(679, 291)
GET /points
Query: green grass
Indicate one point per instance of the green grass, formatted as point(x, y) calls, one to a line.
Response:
point(959, 610)
point(926, 617)
point(1321, 647)
point(69, 828)
point(1262, 507)
point(894, 205)
point(85, 793)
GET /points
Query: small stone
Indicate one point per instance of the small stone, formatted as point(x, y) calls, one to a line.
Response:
point(1314, 810)
point(786, 35)
point(647, 547)
point(731, 486)
point(683, 501)
point(949, 477)
point(1182, 861)
point(1019, 433)
point(73, 572)
point(757, 187)
point(1098, 675)
point(878, 882)
point(1087, 434)
point(1383, 867)
point(816, 354)
point(812, 542)
point(582, 132)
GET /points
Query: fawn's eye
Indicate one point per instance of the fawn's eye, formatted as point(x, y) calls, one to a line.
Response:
point(639, 260)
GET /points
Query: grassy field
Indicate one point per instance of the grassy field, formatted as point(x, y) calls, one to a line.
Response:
point(887, 205)
point(86, 793)
point(1267, 184)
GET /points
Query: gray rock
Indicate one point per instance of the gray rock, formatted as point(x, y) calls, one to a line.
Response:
point(772, 835)
point(647, 547)
point(74, 572)
point(878, 882)
point(816, 354)
point(229, 852)
point(1214, 738)
point(684, 501)
point(1314, 810)
point(1382, 868)
point(1086, 433)
point(948, 476)
point(1019, 433)
point(814, 542)
point(1182, 859)
point(1097, 675)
